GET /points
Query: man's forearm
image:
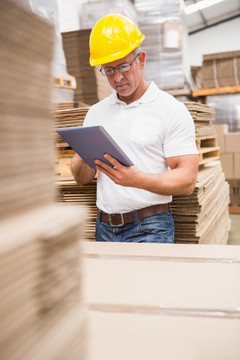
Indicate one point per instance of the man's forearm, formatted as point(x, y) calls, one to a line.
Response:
point(82, 173)
point(180, 180)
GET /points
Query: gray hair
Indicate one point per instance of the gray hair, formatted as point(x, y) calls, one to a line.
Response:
point(137, 50)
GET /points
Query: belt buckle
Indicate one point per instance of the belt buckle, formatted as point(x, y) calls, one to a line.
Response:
point(110, 220)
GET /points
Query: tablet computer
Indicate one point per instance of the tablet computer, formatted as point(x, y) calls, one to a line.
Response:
point(92, 142)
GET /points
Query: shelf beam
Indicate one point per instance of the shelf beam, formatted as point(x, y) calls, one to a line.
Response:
point(216, 91)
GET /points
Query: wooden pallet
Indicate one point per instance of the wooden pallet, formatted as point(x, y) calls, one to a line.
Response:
point(206, 141)
point(208, 149)
point(64, 83)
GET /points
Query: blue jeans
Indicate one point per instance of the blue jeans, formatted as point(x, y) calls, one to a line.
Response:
point(153, 229)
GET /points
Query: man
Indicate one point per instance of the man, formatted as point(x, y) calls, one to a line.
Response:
point(155, 131)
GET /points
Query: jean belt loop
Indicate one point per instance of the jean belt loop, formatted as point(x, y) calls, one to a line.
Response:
point(135, 216)
point(99, 215)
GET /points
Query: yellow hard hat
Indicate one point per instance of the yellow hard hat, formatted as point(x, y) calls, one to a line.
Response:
point(113, 37)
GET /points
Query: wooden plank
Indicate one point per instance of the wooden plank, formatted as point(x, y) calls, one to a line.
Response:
point(62, 167)
point(216, 91)
point(234, 209)
point(65, 153)
point(207, 150)
point(208, 154)
point(179, 92)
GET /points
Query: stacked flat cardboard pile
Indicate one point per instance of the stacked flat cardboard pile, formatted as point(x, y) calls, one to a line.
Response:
point(221, 69)
point(163, 302)
point(68, 191)
point(64, 119)
point(76, 48)
point(41, 308)
point(92, 86)
point(26, 134)
point(40, 303)
point(103, 87)
point(68, 105)
point(203, 216)
point(206, 137)
point(68, 118)
point(72, 194)
point(203, 117)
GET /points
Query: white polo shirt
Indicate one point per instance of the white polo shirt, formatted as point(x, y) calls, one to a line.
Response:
point(149, 130)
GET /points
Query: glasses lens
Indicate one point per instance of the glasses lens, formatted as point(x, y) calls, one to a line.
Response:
point(107, 71)
point(110, 70)
point(123, 67)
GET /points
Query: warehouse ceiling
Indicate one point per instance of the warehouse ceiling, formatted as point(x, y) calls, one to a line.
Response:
point(202, 14)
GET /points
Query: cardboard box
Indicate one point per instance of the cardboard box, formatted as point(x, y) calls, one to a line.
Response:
point(221, 69)
point(232, 142)
point(234, 192)
point(227, 165)
point(236, 166)
point(221, 131)
point(159, 301)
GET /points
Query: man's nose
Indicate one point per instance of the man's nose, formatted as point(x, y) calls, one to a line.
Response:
point(117, 75)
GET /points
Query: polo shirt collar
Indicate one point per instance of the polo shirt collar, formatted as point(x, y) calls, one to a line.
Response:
point(149, 95)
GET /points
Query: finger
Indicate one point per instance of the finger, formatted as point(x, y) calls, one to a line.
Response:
point(110, 174)
point(105, 168)
point(112, 160)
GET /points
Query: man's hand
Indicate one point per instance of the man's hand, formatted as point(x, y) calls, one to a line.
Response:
point(119, 174)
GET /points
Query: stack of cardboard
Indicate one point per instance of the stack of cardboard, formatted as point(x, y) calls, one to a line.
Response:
point(41, 309)
point(68, 191)
point(221, 69)
point(63, 119)
point(230, 158)
point(203, 217)
point(68, 105)
point(162, 302)
point(67, 118)
point(92, 86)
point(75, 195)
point(26, 134)
point(41, 302)
point(203, 117)
point(103, 87)
point(76, 48)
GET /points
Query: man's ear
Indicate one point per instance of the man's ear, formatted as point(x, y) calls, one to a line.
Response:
point(142, 58)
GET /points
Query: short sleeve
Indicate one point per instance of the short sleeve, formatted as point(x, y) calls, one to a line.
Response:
point(180, 134)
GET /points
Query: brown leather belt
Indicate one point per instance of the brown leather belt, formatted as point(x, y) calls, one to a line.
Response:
point(117, 220)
